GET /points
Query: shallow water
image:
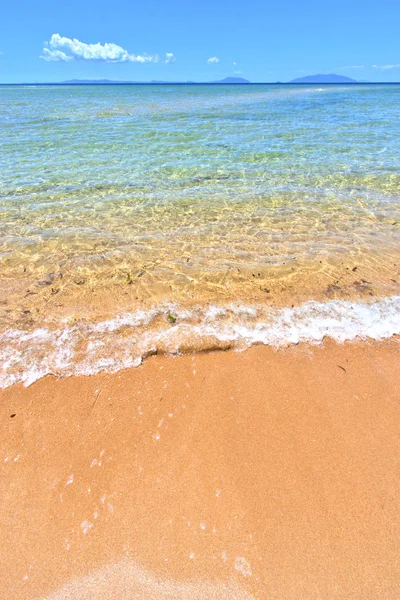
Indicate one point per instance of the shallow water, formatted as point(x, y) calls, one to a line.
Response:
point(115, 199)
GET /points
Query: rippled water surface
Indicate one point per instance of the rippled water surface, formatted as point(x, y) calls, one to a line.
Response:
point(122, 197)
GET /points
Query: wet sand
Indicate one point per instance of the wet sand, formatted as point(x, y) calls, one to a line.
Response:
point(256, 475)
point(37, 299)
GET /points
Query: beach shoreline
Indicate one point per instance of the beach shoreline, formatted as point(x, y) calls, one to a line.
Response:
point(243, 475)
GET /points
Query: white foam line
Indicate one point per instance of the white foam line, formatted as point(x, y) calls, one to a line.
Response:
point(122, 342)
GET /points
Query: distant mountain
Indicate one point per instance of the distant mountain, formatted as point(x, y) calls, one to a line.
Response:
point(332, 78)
point(232, 80)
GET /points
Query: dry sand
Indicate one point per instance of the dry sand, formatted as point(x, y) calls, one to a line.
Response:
point(257, 475)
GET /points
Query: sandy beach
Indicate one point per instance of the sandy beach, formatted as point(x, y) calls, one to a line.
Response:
point(261, 474)
point(199, 303)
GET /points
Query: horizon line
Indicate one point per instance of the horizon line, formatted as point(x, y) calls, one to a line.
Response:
point(111, 82)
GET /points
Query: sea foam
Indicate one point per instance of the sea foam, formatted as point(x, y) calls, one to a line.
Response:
point(125, 340)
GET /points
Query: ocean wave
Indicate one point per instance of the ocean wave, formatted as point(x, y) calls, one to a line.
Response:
point(86, 348)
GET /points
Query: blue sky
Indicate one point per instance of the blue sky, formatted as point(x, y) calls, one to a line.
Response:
point(260, 40)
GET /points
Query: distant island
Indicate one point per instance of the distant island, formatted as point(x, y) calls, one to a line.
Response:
point(308, 80)
point(332, 78)
point(232, 80)
point(154, 81)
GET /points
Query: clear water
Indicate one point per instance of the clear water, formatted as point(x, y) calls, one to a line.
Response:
point(119, 198)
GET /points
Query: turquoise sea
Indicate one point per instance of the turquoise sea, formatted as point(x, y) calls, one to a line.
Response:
point(135, 203)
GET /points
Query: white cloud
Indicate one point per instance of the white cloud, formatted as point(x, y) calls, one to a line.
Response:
point(54, 55)
point(234, 63)
point(169, 58)
point(213, 60)
point(237, 72)
point(65, 49)
point(385, 67)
